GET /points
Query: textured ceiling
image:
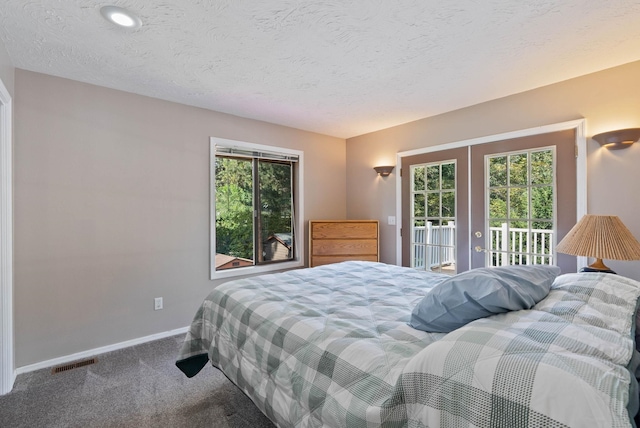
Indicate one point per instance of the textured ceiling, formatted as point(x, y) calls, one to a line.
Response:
point(337, 67)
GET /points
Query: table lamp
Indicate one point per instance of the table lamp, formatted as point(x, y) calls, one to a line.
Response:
point(600, 237)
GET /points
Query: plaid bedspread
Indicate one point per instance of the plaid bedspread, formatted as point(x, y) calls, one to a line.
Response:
point(330, 346)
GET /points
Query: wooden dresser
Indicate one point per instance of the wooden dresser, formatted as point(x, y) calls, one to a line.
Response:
point(332, 241)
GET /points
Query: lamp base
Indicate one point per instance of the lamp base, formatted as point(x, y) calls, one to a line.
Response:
point(597, 266)
point(590, 269)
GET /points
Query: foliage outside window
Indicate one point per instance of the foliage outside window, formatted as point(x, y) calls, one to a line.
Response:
point(255, 218)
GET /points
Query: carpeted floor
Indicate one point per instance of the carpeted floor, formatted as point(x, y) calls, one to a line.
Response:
point(134, 387)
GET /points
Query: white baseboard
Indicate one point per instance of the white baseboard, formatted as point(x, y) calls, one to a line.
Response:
point(93, 352)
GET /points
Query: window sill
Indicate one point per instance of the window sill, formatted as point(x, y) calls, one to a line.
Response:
point(254, 270)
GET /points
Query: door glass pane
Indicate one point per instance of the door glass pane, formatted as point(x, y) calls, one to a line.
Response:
point(520, 211)
point(542, 202)
point(418, 244)
point(540, 171)
point(518, 171)
point(448, 176)
point(418, 178)
point(433, 205)
point(433, 177)
point(449, 205)
point(498, 171)
point(518, 242)
point(418, 205)
point(497, 204)
point(433, 223)
point(518, 202)
point(542, 242)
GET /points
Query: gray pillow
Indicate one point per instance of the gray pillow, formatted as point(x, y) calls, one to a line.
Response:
point(478, 293)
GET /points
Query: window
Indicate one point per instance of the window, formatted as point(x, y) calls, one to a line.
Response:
point(256, 218)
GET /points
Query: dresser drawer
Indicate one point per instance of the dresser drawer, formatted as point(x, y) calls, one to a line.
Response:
point(347, 230)
point(333, 241)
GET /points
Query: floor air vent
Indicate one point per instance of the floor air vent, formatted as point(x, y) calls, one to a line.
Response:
point(65, 367)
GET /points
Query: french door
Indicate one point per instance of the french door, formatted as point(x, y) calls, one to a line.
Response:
point(435, 225)
point(518, 196)
point(523, 197)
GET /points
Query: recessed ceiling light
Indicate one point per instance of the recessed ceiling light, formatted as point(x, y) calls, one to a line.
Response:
point(120, 16)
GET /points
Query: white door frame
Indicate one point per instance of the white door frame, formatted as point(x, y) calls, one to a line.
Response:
point(7, 372)
point(578, 125)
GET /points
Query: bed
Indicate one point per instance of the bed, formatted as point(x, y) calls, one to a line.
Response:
point(331, 346)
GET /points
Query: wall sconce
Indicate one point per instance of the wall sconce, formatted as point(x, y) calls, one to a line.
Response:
point(620, 139)
point(383, 171)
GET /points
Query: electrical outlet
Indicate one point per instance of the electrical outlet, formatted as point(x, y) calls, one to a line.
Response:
point(157, 302)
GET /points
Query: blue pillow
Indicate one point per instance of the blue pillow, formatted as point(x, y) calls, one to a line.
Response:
point(478, 293)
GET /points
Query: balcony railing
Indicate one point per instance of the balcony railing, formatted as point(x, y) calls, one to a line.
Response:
point(520, 246)
point(435, 246)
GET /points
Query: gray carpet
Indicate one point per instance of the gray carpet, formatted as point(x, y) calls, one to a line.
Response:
point(134, 387)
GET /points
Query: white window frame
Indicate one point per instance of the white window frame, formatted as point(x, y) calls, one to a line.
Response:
point(297, 261)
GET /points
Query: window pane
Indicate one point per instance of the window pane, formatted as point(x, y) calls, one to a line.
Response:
point(498, 171)
point(434, 258)
point(542, 167)
point(419, 240)
point(433, 205)
point(234, 213)
point(449, 204)
point(418, 205)
point(518, 241)
point(433, 177)
point(449, 176)
point(276, 231)
point(542, 202)
point(541, 240)
point(498, 204)
point(518, 169)
point(418, 178)
point(518, 203)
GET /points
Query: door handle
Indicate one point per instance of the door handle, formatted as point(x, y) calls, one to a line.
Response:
point(479, 249)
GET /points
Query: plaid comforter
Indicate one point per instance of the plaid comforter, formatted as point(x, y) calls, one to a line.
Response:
point(330, 346)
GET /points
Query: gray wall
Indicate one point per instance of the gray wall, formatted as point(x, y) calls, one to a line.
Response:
point(608, 100)
point(112, 210)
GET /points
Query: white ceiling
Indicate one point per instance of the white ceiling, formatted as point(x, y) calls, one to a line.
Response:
point(337, 67)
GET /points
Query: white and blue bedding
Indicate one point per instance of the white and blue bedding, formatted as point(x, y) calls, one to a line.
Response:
point(331, 346)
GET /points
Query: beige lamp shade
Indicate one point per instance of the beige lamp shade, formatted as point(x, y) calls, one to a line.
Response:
point(600, 237)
